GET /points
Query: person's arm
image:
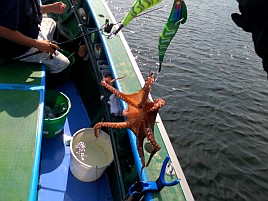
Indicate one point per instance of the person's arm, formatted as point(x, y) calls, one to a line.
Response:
point(253, 17)
point(19, 38)
point(57, 7)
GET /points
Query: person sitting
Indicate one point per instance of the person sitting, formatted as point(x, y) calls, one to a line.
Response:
point(254, 19)
point(24, 32)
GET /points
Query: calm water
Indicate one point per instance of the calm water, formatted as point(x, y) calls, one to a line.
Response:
point(216, 94)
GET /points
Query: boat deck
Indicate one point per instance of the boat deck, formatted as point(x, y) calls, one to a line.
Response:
point(21, 116)
point(56, 180)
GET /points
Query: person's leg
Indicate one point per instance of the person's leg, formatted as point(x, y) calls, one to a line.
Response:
point(56, 64)
point(77, 45)
point(82, 51)
point(48, 27)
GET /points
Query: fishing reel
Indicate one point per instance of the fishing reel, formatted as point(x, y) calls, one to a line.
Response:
point(106, 29)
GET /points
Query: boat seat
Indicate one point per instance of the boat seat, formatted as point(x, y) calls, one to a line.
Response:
point(21, 116)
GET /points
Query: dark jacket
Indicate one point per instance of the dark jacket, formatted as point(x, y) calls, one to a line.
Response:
point(254, 19)
point(19, 15)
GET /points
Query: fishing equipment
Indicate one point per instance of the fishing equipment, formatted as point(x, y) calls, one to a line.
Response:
point(76, 38)
point(178, 15)
point(9, 61)
point(137, 7)
point(139, 189)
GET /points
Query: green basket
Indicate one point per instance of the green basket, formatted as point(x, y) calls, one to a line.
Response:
point(60, 106)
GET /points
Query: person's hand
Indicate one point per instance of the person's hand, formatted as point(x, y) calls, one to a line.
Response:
point(250, 13)
point(46, 46)
point(58, 7)
point(254, 19)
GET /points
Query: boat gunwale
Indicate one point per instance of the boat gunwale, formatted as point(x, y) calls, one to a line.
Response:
point(39, 133)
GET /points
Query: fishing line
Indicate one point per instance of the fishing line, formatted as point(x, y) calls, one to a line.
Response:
point(154, 73)
point(149, 11)
point(78, 37)
point(159, 68)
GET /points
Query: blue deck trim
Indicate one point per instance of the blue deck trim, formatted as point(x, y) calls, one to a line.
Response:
point(27, 86)
point(36, 164)
point(21, 87)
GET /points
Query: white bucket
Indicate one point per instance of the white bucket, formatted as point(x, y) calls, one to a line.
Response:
point(90, 156)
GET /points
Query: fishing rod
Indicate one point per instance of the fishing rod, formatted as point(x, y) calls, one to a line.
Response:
point(76, 38)
point(121, 25)
point(19, 58)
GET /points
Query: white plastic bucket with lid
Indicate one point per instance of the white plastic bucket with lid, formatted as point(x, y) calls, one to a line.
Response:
point(90, 156)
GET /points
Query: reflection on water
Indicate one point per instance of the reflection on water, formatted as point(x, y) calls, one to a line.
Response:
point(90, 153)
point(216, 97)
point(80, 150)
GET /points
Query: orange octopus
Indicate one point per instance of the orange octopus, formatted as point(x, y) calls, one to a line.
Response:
point(140, 116)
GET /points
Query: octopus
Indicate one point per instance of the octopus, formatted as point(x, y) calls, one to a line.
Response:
point(140, 116)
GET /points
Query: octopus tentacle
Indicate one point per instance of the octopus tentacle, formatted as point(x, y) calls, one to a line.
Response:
point(108, 79)
point(140, 145)
point(118, 93)
point(109, 124)
point(147, 88)
point(158, 103)
point(150, 137)
point(151, 156)
point(119, 78)
point(140, 151)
